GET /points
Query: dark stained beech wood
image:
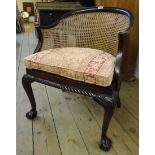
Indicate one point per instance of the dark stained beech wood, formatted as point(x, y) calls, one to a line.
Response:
point(28, 89)
point(108, 97)
point(106, 143)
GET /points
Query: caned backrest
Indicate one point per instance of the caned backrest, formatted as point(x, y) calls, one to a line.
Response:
point(98, 30)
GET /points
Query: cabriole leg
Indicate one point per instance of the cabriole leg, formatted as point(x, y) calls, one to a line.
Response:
point(106, 143)
point(26, 81)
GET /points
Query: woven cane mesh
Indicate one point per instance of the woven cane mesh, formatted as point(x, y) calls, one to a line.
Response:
point(92, 30)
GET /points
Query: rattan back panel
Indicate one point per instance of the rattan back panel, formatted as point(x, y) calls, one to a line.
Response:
point(97, 30)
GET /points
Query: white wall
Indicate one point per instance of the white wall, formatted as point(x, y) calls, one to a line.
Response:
point(137, 68)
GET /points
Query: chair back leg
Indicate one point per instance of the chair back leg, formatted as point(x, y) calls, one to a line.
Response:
point(118, 103)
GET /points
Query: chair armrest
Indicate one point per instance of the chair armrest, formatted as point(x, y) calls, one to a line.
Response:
point(123, 37)
point(39, 36)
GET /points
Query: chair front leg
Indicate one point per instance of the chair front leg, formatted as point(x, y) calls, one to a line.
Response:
point(109, 104)
point(26, 81)
point(106, 143)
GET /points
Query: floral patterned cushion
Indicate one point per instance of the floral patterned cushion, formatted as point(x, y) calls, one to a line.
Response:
point(83, 64)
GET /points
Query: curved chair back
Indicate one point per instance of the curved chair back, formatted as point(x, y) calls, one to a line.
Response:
point(93, 28)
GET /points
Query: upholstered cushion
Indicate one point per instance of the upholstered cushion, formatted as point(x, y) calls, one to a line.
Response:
point(83, 64)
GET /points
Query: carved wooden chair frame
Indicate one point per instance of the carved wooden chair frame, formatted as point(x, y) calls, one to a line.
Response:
point(108, 97)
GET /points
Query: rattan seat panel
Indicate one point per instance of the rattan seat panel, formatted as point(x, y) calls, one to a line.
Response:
point(83, 64)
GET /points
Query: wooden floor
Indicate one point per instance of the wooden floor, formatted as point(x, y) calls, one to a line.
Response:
point(70, 124)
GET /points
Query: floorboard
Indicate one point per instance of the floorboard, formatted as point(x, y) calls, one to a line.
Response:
point(24, 133)
point(87, 125)
point(129, 97)
point(44, 132)
point(69, 136)
point(122, 142)
point(19, 43)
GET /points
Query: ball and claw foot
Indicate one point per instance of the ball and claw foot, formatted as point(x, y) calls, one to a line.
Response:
point(31, 114)
point(105, 144)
